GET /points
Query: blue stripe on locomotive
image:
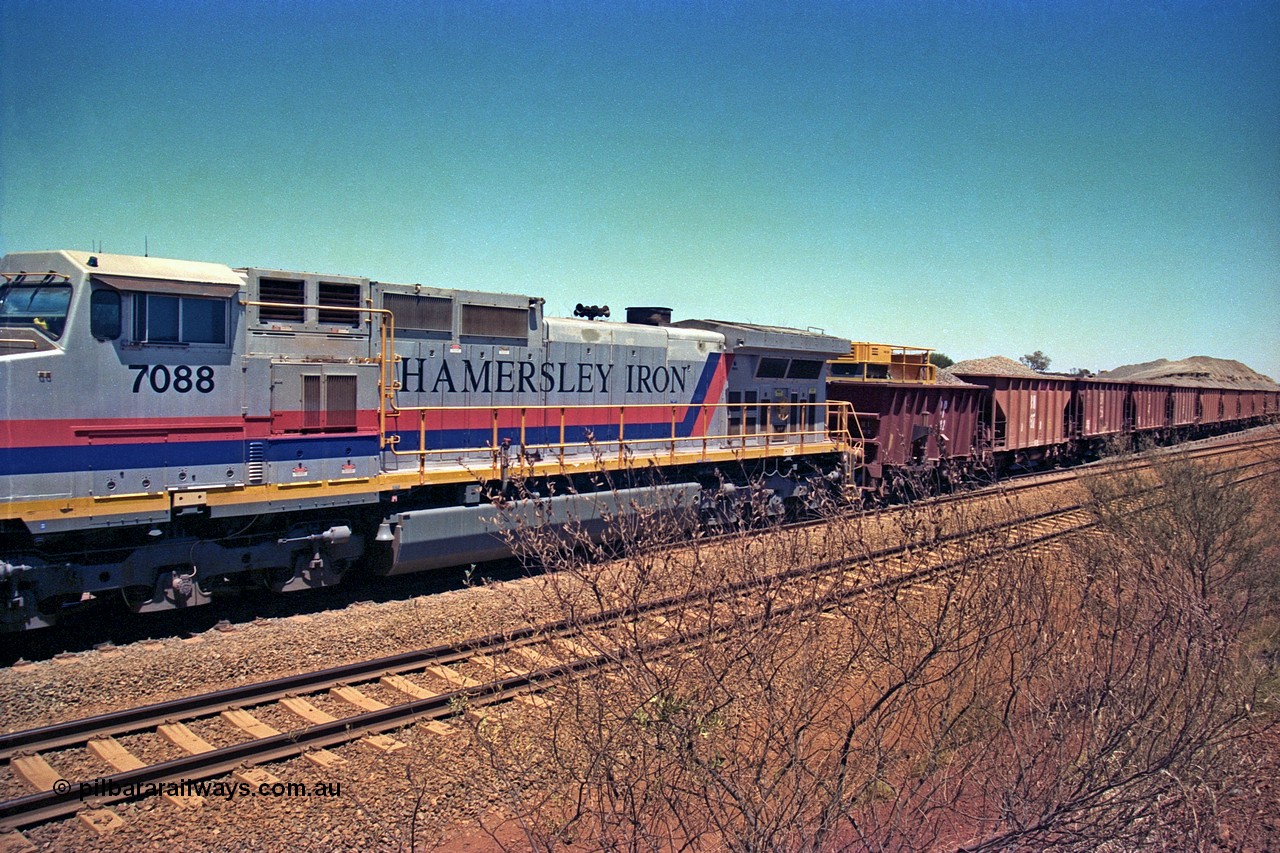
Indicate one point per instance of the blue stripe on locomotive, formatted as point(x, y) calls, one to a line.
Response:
point(183, 454)
point(180, 454)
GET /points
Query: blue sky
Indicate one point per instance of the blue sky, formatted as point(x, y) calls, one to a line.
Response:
point(1098, 180)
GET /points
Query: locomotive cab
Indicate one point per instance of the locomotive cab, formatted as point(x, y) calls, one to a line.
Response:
point(176, 430)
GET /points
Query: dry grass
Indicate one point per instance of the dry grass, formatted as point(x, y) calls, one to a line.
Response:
point(1069, 697)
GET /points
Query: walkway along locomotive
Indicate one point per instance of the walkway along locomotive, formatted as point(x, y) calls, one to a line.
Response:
point(173, 429)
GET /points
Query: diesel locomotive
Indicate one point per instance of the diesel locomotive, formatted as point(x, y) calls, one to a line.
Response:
point(173, 429)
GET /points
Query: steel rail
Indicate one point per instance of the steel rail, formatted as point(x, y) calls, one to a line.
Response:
point(74, 732)
point(43, 806)
point(79, 731)
point(48, 805)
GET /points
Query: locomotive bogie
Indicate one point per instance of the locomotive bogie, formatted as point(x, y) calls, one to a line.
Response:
point(176, 430)
point(186, 428)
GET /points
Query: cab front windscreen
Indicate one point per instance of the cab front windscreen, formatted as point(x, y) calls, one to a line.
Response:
point(40, 306)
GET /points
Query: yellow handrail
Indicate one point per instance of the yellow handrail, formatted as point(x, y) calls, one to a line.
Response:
point(826, 423)
point(386, 359)
point(786, 439)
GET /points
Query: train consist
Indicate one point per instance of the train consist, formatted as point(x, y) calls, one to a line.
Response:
point(920, 435)
point(175, 430)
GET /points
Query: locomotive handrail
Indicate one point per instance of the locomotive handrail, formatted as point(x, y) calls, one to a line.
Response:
point(815, 429)
point(386, 358)
point(44, 276)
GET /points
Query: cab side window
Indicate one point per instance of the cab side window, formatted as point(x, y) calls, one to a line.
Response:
point(162, 318)
point(104, 314)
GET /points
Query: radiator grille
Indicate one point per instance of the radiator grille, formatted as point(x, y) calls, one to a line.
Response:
point(423, 313)
point(340, 408)
point(280, 290)
point(341, 296)
point(312, 402)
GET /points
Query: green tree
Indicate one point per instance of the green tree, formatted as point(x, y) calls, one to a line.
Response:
point(1037, 361)
point(940, 360)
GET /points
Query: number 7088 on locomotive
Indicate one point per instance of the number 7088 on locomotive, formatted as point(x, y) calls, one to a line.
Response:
point(176, 429)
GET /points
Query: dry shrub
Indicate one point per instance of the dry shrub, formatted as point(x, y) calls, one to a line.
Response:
point(1058, 696)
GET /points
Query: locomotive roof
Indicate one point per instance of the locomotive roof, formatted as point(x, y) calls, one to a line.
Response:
point(594, 331)
point(131, 266)
point(754, 336)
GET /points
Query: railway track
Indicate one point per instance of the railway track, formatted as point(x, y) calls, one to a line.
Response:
point(365, 700)
point(1200, 450)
